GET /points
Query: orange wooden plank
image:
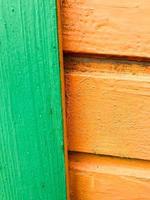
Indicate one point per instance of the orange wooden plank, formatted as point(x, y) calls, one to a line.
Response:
point(119, 27)
point(106, 178)
point(85, 64)
point(108, 112)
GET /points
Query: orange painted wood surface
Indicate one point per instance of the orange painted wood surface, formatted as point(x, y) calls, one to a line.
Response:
point(107, 178)
point(108, 107)
point(119, 27)
point(108, 100)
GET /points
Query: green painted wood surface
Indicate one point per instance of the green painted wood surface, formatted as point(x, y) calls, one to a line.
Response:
point(31, 126)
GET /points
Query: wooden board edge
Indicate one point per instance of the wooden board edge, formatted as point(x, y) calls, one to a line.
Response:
point(60, 39)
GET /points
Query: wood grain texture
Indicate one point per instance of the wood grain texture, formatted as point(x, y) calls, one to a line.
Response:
point(79, 63)
point(32, 165)
point(107, 178)
point(107, 27)
point(61, 60)
point(108, 112)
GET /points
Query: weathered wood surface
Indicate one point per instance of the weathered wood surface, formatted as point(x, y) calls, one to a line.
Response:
point(31, 125)
point(108, 108)
point(108, 100)
point(118, 28)
point(108, 178)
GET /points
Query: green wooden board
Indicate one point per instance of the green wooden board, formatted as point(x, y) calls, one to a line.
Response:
point(32, 164)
